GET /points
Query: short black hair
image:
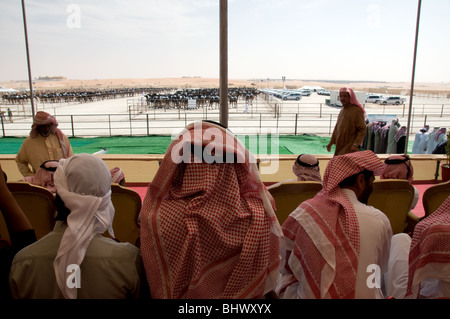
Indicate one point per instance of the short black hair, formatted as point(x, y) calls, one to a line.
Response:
point(351, 180)
point(216, 123)
point(61, 209)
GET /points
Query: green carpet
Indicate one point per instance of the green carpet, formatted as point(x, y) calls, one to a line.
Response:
point(157, 144)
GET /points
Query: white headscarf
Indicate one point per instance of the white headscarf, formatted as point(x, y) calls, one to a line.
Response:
point(83, 182)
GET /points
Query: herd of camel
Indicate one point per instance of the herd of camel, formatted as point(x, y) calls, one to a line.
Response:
point(153, 97)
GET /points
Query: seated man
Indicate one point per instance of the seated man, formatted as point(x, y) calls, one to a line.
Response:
point(400, 167)
point(46, 142)
point(333, 242)
point(117, 176)
point(429, 256)
point(75, 260)
point(306, 168)
point(208, 229)
point(44, 176)
point(19, 228)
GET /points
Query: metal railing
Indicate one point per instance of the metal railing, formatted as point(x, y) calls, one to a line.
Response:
point(168, 123)
point(265, 115)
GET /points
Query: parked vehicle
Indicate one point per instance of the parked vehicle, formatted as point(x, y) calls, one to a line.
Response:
point(395, 100)
point(292, 96)
point(334, 97)
point(370, 98)
point(323, 92)
point(306, 92)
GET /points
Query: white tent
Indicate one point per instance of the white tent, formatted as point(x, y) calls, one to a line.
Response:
point(312, 88)
point(6, 90)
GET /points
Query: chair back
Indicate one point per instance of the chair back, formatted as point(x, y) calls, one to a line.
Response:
point(127, 205)
point(394, 198)
point(289, 195)
point(434, 196)
point(38, 205)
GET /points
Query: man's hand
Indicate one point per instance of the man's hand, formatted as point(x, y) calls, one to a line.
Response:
point(354, 148)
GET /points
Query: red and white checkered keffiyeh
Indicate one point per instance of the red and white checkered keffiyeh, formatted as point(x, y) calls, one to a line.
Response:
point(307, 172)
point(44, 118)
point(429, 255)
point(209, 230)
point(324, 231)
point(354, 99)
point(403, 170)
point(441, 131)
point(44, 176)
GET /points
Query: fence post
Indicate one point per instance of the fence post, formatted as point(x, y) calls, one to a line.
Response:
point(109, 124)
point(148, 129)
point(260, 122)
point(131, 129)
point(442, 110)
point(329, 129)
point(425, 121)
point(296, 120)
point(71, 122)
point(320, 114)
point(3, 126)
point(278, 132)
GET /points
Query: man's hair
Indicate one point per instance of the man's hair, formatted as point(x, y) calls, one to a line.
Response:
point(61, 209)
point(351, 180)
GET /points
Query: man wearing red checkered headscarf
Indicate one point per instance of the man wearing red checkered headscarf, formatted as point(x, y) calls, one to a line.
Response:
point(400, 167)
point(334, 242)
point(421, 265)
point(429, 256)
point(208, 227)
point(350, 128)
point(45, 143)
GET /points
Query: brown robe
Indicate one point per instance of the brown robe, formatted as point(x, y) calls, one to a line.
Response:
point(350, 129)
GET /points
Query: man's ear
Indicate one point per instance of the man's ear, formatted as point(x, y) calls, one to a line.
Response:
point(360, 181)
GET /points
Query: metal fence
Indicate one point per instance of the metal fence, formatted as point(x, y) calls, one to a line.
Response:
point(263, 116)
point(160, 123)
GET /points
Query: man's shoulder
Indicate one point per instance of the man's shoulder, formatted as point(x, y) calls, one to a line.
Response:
point(45, 247)
point(364, 210)
point(27, 140)
point(374, 216)
point(102, 246)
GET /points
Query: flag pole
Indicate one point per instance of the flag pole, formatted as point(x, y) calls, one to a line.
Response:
point(30, 79)
point(411, 92)
point(223, 94)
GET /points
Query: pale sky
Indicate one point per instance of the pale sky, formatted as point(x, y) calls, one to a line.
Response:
point(355, 40)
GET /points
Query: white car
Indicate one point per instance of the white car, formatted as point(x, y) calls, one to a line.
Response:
point(397, 100)
point(324, 92)
point(292, 96)
point(305, 92)
point(372, 98)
